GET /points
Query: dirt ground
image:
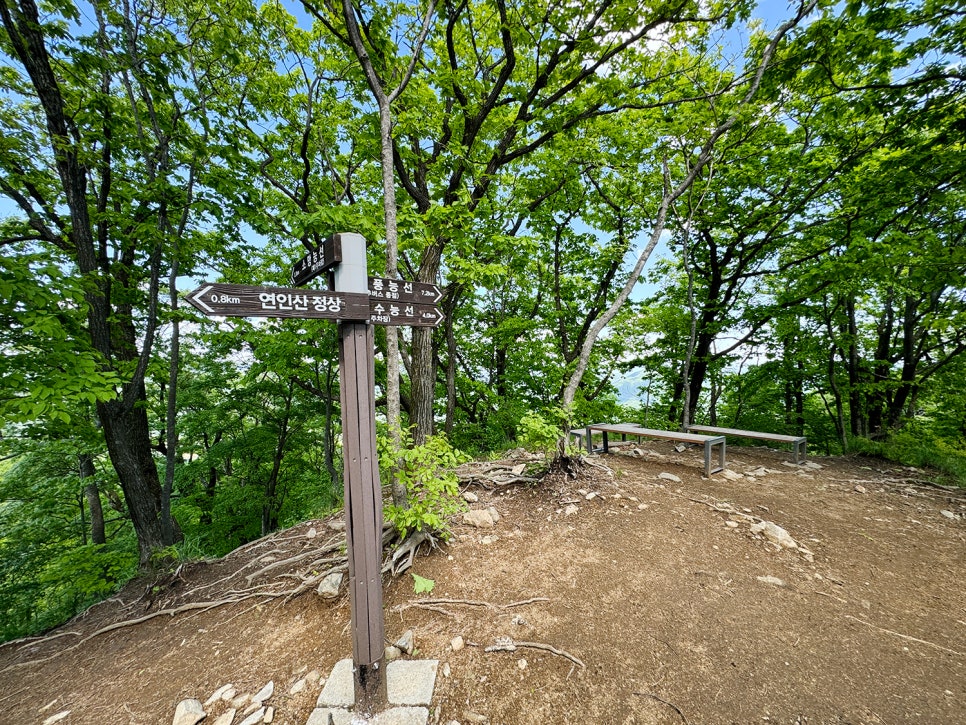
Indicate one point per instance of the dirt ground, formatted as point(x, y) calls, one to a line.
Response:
point(676, 611)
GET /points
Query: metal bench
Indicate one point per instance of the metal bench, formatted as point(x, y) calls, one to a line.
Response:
point(629, 429)
point(798, 442)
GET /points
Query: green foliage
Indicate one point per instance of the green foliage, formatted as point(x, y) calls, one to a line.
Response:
point(422, 585)
point(428, 473)
point(541, 434)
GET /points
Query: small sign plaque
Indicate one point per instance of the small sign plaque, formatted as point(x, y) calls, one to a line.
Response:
point(317, 261)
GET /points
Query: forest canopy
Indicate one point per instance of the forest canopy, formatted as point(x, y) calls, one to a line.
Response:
point(756, 214)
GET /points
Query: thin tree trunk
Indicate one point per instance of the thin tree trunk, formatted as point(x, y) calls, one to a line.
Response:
point(93, 498)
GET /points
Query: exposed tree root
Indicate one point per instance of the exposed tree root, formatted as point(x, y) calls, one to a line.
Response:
point(404, 554)
point(505, 644)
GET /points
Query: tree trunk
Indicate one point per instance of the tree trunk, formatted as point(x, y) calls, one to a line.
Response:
point(93, 498)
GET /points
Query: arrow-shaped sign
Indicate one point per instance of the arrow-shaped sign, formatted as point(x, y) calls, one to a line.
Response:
point(383, 312)
point(317, 261)
point(240, 300)
point(401, 290)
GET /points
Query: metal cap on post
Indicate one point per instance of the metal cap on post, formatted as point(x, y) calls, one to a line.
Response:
point(363, 491)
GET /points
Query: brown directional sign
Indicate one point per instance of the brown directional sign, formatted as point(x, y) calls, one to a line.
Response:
point(239, 300)
point(400, 290)
point(317, 261)
point(385, 312)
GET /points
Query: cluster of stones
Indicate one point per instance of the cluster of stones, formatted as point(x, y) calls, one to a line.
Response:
point(252, 709)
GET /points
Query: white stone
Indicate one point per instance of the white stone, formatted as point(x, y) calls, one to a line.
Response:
point(265, 693)
point(229, 694)
point(591, 496)
point(58, 717)
point(239, 702)
point(188, 712)
point(329, 587)
point(731, 475)
point(522, 664)
point(518, 469)
point(775, 534)
point(392, 653)
point(642, 507)
point(269, 715)
point(445, 669)
point(311, 533)
point(297, 687)
point(860, 489)
point(478, 518)
point(457, 643)
point(470, 497)
point(411, 682)
point(665, 476)
point(487, 540)
point(731, 524)
point(336, 525)
point(773, 580)
point(493, 514)
point(570, 510)
point(218, 694)
point(256, 717)
point(949, 514)
point(225, 718)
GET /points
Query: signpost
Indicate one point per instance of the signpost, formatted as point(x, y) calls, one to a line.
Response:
point(317, 261)
point(358, 302)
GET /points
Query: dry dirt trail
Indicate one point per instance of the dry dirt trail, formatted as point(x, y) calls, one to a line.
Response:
point(675, 609)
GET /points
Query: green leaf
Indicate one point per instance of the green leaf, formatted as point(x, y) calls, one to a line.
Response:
point(422, 585)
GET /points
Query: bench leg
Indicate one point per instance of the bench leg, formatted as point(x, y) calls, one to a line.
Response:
point(590, 441)
point(606, 448)
point(708, 450)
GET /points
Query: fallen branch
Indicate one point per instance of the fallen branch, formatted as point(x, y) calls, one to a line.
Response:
point(474, 603)
point(505, 644)
point(664, 702)
point(906, 636)
point(131, 622)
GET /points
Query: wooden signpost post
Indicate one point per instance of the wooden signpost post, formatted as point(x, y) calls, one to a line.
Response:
point(357, 302)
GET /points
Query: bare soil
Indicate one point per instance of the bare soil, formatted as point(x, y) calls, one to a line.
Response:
point(668, 608)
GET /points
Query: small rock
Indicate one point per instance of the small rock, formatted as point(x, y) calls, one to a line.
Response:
point(62, 715)
point(591, 496)
point(330, 585)
point(474, 717)
point(239, 702)
point(665, 476)
point(478, 518)
point(757, 472)
point(188, 712)
point(225, 718)
point(775, 534)
point(731, 475)
point(311, 533)
point(493, 514)
point(256, 717)
point(218, 694)
point(949, 514)
point(487, 540)
point(570, 510)
point(298, 686)
point(406, 643)
point(392, 653)
point(269, 715)
point(680, 448)
point(522, 664)
point(642, 507)
point(336, 525)
point(814, 466)
point(731, 524)
point(446, 669)
point(313, 677)
point(457, 643)
point(774, 580)
point(637, 453)
point(470, 497)
point(229, 694)
point(265, 693)
point(518, 469)
point(520, 621)
point(860, 489)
